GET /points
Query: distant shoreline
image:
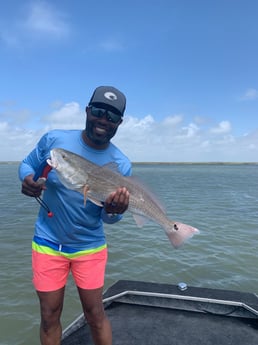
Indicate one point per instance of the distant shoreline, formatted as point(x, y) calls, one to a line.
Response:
point(168, 163)
point(195, 163)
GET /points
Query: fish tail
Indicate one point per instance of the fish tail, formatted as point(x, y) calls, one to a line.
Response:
point(178, 233)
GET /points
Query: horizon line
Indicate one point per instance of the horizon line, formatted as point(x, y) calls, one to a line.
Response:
point(171, 162)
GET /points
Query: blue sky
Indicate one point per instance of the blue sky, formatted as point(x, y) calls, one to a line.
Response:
point(189, 70)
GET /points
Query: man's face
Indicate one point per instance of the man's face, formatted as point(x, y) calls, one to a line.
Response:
point(100, 130)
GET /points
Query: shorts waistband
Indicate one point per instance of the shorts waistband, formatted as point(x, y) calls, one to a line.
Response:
point(44, 246)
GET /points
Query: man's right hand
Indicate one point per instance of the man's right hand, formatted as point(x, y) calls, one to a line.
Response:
point(32, 188)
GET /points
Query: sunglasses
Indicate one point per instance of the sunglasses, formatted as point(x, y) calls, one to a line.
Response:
point(99, 112)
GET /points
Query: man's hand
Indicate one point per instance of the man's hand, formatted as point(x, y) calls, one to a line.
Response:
point(32, 188)
point(117, 202)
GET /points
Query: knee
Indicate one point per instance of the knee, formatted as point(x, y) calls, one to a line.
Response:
point(95, 317)
point(48, 326)
point(50, 319)
point(49, 323)
point(51, 305)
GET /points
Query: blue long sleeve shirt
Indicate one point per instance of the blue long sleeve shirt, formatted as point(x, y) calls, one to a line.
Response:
point(74, 225)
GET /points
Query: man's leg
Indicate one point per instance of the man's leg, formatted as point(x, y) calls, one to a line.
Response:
point(49, 278)
point(88, 272)
point(94, 313)
point(51, 305)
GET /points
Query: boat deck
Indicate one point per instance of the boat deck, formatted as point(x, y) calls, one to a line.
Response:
point(161, 314)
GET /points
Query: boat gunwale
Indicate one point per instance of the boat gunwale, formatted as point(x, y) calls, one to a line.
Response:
point(120, 297)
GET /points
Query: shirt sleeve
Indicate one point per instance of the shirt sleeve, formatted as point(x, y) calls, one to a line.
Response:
point(35, 158)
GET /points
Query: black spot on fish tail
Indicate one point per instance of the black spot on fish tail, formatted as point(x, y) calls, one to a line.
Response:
point(175, 227)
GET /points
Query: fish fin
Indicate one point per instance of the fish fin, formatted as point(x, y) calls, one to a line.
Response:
point(139, 220)
point(95, 201)
point(113, 166)
point(85, 191)
point(178, 233)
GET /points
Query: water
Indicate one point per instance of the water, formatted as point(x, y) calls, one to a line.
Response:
point(220, 200)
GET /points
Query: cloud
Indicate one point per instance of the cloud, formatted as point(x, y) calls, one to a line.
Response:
point(68, 116)
point(142, 139)
point(222, 128)
point(8, 38)
point(191, 130)
point(43, 18)
point(172, 141)
point(250, 95)
point(39, 20)
point(173, 120)
point(13, 131)
point(111, 44)
point(15, 141)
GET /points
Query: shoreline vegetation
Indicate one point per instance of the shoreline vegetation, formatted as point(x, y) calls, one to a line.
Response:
point(169, 163)
point(195, 163)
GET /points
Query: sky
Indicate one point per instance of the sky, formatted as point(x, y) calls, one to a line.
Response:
point(188, 68)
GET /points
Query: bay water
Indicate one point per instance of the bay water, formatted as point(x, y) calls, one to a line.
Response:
point(221, 200)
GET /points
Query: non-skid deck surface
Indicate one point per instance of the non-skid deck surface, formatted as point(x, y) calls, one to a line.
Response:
point(146, 325)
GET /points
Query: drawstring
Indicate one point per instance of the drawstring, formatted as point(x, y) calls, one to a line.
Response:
point(44, 205)
point(41, 176)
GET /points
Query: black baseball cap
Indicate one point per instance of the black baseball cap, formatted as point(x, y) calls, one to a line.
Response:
point(110, 98)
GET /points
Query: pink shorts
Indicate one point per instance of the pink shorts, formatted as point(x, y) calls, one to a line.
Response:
point(50, 272)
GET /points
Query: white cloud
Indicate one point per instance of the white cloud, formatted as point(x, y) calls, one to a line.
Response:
point(18, 139)
point(9, 38)
point(3, 127)
point(250, 95)
point(40, 19)
point(68, 116)
point(222, 128)
point(173, 120)
point(43, 18)
point(15, 142)
point(191, 130)
point(142, 139)
point(111, 44)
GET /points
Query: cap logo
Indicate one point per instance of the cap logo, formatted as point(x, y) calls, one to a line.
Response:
point(110, 96)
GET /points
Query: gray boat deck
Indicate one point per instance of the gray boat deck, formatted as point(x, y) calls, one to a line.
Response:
point(161, 314)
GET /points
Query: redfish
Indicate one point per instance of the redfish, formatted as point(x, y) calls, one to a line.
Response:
point(97, 182)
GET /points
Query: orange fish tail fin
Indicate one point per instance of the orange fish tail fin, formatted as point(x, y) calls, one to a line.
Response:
point(178, 233)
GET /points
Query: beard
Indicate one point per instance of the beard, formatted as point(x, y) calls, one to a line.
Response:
point(98, 134)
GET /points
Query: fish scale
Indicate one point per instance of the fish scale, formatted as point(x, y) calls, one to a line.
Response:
point(79, 174)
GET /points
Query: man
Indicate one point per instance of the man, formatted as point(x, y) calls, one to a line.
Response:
point(73, 238)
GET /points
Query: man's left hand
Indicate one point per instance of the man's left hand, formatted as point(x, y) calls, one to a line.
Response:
point(117, 202)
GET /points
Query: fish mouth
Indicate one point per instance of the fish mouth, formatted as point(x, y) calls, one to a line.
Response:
point(52, 161)
point(52, 156)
